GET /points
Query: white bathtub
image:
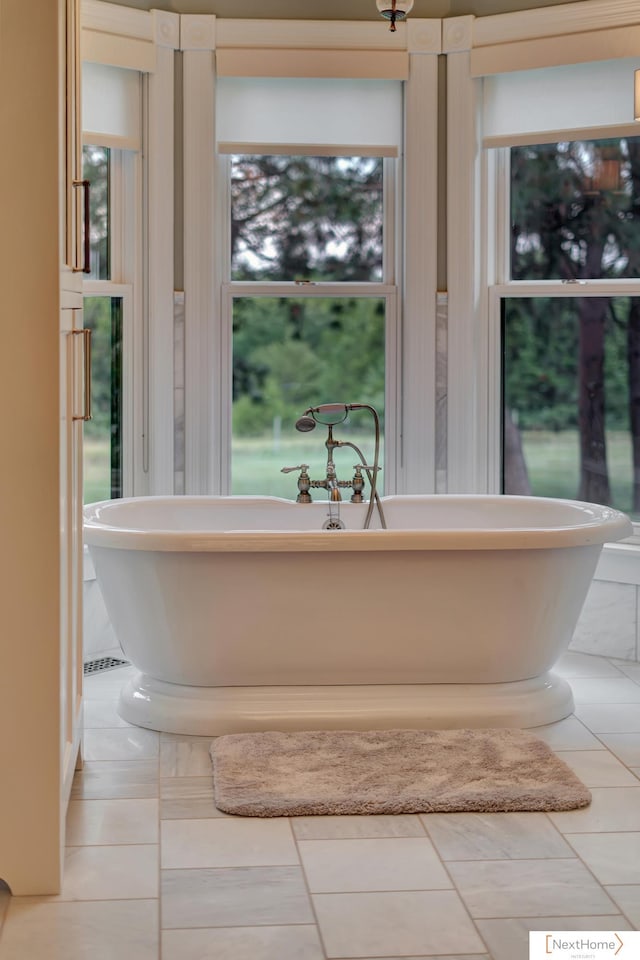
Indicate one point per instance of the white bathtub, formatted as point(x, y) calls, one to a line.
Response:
point(242, 614)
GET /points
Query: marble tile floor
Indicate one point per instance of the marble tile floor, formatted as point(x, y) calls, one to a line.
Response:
point(154, 872)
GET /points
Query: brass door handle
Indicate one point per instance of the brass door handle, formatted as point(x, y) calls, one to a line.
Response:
point(86, 343)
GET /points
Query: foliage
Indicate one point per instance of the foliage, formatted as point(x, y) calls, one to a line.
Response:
point(541, 362)
point(306, 219)
point(96, 170)
point(311, 218)
point(98, 319)
point(290, 354)
point(569, 362)
point(103, 316)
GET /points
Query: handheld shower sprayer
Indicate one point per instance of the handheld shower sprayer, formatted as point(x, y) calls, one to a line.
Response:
point(306, 424)
point(327, 414)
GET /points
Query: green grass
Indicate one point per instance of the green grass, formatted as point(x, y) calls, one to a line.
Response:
point(97, 470)
point(257, 462)
point(553, 461)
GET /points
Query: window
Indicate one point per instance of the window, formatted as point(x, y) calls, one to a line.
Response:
point(96, 164)
point(112, 125)
point(103, 433)
point(307, 218)
point(290, 353)
point(308, 298)
point(311, 152)
point(571, 351)
point(308, 286)
point(314, 224)
point(107, 449)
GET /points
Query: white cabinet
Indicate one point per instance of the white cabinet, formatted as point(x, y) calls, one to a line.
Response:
point(41, 391)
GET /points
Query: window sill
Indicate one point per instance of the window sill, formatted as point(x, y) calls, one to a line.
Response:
point(619, 563)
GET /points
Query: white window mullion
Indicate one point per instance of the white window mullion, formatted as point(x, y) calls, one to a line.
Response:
point(202, 314)
point(390, 234)
point(392, 394)
point(494, 392)
point(224, 391)
point(416, 472)
point(225, 394)
point(467, 344)
point(497, 180)
point(159, 148)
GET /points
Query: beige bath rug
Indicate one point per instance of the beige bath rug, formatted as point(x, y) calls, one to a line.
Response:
point(390, 771)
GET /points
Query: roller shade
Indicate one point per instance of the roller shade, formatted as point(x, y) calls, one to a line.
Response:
point(111, 106)
point(581, 97)
point(366, 113)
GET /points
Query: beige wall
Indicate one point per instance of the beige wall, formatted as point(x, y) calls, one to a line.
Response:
point(334, 9)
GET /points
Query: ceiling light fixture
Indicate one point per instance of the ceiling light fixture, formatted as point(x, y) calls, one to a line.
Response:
point(394, 10)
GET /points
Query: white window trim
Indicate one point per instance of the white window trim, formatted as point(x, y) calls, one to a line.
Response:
point(146, 41)
point(533, 38)
point(412, 382)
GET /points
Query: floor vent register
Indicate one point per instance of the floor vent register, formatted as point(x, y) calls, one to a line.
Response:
point(103, 663)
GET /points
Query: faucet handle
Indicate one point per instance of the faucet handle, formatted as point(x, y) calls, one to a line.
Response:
point(303, 482)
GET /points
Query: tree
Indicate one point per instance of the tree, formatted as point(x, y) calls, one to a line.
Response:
point(96, 171)
point(631, 250)
point(307, 219)
point(575, 217)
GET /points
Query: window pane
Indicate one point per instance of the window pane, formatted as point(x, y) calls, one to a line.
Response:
point(306, 218)
point(96, 171)
point(571, 381)
point(291, 354)
point(575, 210)
point(103, 433)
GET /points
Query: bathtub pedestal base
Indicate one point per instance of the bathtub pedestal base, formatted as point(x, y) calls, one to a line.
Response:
point(213, 711)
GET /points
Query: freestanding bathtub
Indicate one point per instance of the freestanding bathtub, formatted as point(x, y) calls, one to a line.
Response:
point(243, 614)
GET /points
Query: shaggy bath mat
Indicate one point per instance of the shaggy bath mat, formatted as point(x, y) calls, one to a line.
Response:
point(390, 771)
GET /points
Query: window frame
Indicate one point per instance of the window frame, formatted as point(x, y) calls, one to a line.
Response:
point(142, 231)
point(379, 291)
point(523, 289)
point(123, 292)
point(478, 209)
point(289, 48)
point(124, 259)
point(498, 179)
point(386, 290)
